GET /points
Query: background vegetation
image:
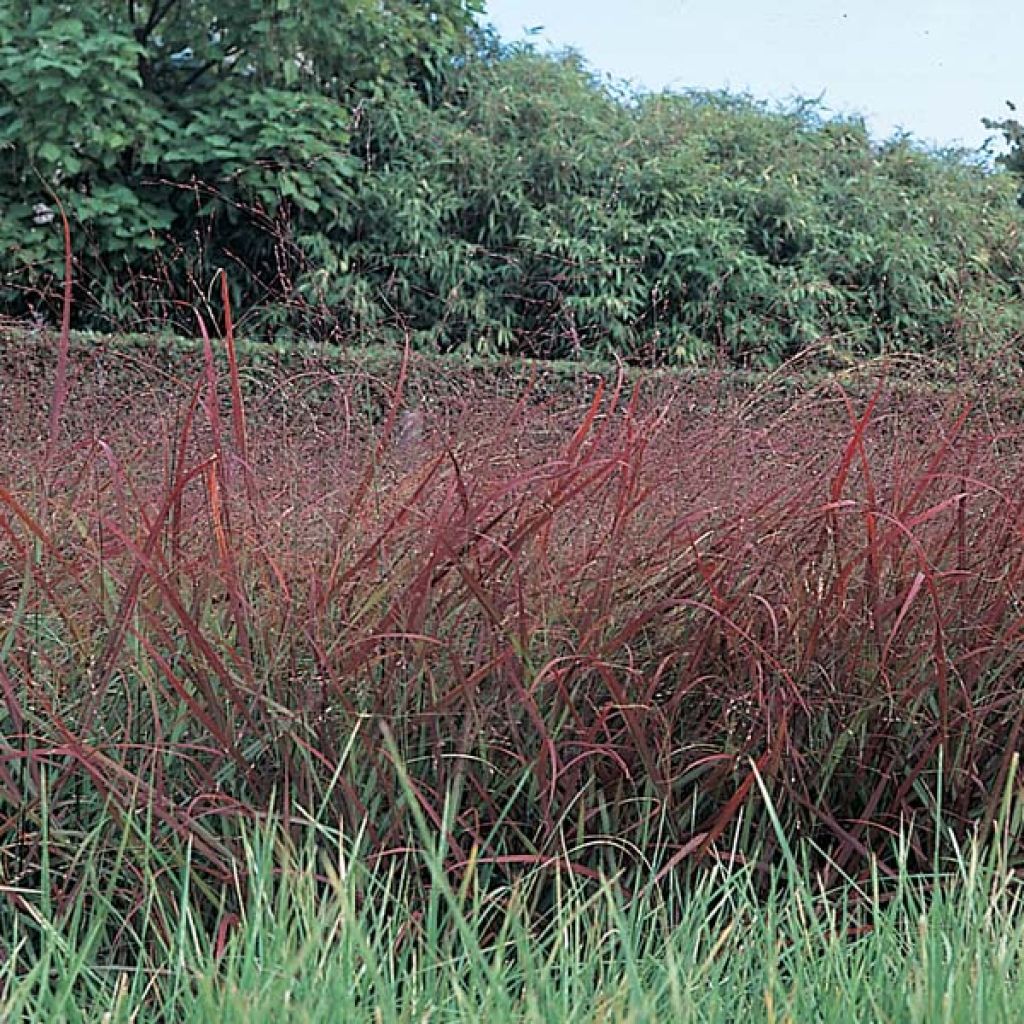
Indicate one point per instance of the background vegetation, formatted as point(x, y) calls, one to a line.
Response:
point(395, 687)
point(373, 172)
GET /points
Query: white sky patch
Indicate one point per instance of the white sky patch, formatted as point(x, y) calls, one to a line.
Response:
point(933, 68)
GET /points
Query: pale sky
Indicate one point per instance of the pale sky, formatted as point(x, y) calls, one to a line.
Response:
point(934, 68)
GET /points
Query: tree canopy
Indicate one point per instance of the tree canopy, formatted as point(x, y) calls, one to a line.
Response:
point(368, 171)
point(182, 135)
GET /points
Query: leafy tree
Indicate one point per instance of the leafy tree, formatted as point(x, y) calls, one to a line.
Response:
point(1013, 133)
point(182, 135)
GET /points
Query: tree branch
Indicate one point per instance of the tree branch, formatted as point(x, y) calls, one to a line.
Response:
point(157, 13)
point(198, 73)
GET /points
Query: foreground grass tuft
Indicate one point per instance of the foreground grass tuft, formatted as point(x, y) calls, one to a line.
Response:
point(320, 937)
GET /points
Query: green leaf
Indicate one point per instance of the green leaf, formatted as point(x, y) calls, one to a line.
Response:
point(49, 152)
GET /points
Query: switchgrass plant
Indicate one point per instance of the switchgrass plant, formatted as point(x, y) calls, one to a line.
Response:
point(625, 639)
point(320, 935)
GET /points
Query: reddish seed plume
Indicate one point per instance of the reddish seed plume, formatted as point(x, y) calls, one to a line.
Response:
point(576, 613)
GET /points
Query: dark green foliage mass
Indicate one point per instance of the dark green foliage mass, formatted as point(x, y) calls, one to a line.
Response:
point(537, 212)
point(183, 136)
point(369, 171)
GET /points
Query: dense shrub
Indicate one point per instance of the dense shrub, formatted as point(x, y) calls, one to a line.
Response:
point(537, 212)
point(378, 177)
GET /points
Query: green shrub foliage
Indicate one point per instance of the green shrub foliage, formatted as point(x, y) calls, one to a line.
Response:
point(368, 171)
point(537, 212)
point(182, 137)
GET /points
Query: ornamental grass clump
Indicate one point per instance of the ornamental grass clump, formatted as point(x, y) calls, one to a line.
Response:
point(583, 631)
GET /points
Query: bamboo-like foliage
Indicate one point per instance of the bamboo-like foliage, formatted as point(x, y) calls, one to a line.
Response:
point(495, 201)
point(539, 212)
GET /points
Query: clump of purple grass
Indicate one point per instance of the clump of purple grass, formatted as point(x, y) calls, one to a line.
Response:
point(585, 625)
